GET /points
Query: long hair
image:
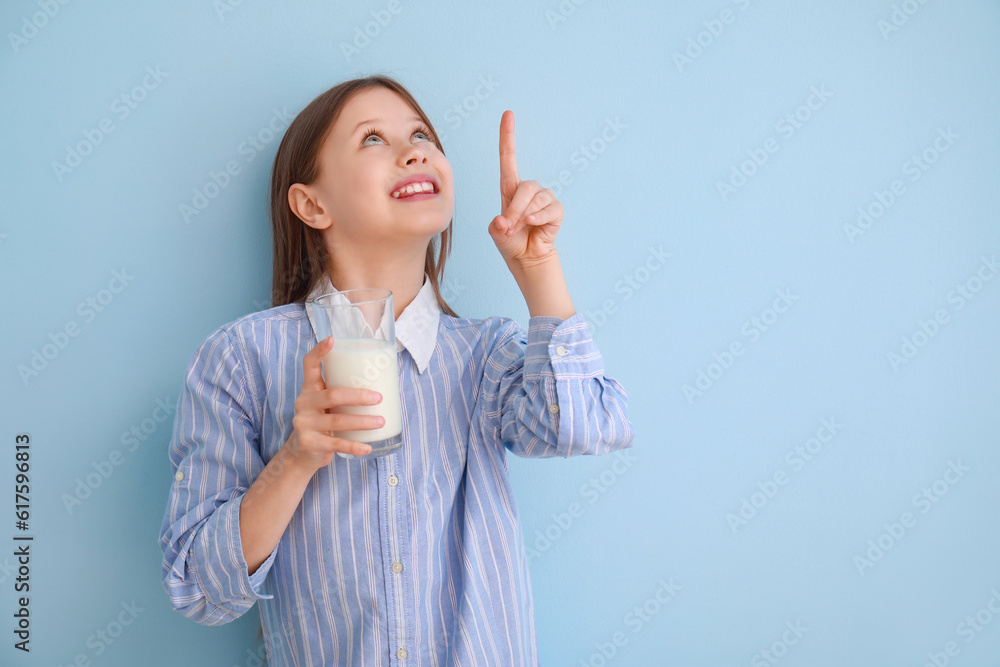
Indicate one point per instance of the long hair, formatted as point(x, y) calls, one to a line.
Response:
point(300, 254)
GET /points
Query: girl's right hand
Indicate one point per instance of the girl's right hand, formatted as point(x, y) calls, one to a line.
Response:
point(312, 443)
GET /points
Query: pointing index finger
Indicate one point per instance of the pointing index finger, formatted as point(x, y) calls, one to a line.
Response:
point(508, 158)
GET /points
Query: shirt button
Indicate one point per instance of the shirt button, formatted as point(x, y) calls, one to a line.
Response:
point(562, 351)
point(401, 654)
point(393, 480)
point(397, 567)
point(179, 476)
point(553, 408)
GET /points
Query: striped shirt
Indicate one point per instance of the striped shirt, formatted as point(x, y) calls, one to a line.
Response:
point(415, 558)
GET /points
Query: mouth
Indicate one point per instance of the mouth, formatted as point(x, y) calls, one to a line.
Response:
point(416, 188)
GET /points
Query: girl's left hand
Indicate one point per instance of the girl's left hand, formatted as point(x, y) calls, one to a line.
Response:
point(525, 231)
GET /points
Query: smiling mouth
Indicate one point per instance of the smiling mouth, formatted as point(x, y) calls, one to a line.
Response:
point(414, 189)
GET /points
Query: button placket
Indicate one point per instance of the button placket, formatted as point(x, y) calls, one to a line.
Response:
point(397, 547)
point(561, 351)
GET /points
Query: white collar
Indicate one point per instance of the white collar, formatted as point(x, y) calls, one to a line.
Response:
point(416, 328)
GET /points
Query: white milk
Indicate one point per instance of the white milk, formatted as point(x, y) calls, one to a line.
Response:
point(368, 363)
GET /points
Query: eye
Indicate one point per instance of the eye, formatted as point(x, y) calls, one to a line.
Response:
point(372, 132)
point(427, 134)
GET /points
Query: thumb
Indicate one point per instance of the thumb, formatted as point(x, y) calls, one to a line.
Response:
point(498, 230)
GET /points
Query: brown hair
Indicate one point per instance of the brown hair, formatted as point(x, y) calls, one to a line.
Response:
point(300, 254)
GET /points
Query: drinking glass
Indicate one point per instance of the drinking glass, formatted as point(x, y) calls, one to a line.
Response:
point(362, 324)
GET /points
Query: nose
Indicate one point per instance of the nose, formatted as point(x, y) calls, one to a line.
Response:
point(413, 154)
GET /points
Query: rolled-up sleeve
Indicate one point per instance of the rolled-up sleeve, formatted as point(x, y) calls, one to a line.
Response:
point(214, 456)
point(546, 392)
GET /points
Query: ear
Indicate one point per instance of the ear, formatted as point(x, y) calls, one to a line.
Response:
point(304, 204)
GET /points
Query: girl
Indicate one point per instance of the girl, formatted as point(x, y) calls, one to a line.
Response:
point(415, 558)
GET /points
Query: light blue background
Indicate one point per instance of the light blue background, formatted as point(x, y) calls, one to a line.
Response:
point(664, 516)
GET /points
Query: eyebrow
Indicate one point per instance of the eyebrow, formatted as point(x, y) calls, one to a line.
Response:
point(379, 120)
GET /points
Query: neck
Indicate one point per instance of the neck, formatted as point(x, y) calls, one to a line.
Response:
point(404, 276)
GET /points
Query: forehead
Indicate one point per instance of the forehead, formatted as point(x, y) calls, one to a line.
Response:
point(371, 104)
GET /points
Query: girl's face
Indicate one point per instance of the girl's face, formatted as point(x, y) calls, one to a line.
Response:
point(377, 142)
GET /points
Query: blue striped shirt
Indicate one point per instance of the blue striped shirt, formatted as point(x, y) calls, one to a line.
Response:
point(415, 558)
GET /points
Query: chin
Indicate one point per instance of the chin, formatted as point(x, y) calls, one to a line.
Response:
point(443, 226)
point(428, 226)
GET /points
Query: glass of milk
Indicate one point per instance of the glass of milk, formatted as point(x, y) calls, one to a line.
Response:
point(362, 324)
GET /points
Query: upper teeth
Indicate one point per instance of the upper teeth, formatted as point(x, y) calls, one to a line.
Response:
point(424, 186)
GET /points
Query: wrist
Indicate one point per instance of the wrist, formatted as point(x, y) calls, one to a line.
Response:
point(290, 461)
point(538, 265)
point(544, 288)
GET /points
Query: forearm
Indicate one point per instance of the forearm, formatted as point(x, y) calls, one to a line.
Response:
point(544, 288)
point(268, 506)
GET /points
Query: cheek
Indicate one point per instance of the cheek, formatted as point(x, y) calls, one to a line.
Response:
point(334, 198)
point(444, 167)
point(352, 191)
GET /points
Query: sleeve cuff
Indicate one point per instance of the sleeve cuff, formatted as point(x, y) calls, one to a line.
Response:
point(253, 581)
point(572, 350)
point(561, 347)
point(536, 352)
point(257, 578)
point(220, 565)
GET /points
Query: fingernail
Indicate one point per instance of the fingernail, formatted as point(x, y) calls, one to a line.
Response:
point(375, 397)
